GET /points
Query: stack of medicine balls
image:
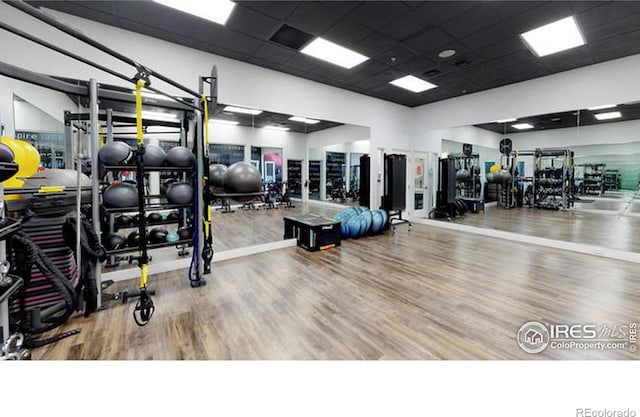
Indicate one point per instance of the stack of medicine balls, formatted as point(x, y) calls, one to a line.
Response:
point(124, 195)
point(359, 221)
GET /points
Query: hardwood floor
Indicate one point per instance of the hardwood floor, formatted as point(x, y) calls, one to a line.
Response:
point(600, 229)
point(427, 294)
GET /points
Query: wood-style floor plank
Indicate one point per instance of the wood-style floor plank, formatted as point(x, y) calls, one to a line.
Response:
point(427, 294)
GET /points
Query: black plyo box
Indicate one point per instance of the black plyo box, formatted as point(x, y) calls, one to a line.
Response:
point(313, 232)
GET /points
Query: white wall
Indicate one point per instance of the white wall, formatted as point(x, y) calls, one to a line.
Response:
point(50, 102)
point(338, 135)
point(28, 117)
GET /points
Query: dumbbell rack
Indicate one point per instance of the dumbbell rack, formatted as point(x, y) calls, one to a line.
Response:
point(109, 213)
point(593, 179)
point(553, 185)
point(471, 187)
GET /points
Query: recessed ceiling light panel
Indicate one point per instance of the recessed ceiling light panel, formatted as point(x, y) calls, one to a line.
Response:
point(608, 116)
point(159, 115)
point(413, 84)
point(234, 109)
point(333, 53)
point(505, 120)
point(280, 128)
point(217, 11)
point(522, 126)
point(304, 120)
point(604, 106)
point(223, 122)
point(554, 37)
point(447, 53)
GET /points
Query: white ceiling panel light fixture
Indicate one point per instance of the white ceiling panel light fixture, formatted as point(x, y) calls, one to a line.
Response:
point(608, 116)
point(234, 109)
point(558, 36)
point(217, 11)
point(506, 120)
point(604, 106)
point(159, 115)
point(414, 84)
point(279, 128)
point(333, 53)
point(223, 122)
point(522, 126)
point(304, 120)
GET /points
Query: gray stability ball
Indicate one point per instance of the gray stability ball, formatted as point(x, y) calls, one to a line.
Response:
point(154, 156)
point(242, 178)
point(180, 156)
point(216, 175)
point(115, 153)
point(180, 193)
point(120, 196)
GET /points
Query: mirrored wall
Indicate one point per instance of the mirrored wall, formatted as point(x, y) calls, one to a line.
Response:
point(574, 175)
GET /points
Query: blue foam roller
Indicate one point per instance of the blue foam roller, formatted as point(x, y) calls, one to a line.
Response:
point(354, 226)
point(385, 217)
point(376, 221)
point(344, 230)
point(365, 222)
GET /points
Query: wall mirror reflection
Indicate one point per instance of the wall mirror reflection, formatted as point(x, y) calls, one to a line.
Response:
point(539, 188)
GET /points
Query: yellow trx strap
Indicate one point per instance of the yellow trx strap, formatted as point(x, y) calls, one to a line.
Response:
point(101, 135)
point(140, 136)
point(144, 270)
point(207, 220)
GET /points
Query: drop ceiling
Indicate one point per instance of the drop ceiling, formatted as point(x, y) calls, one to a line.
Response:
point(401, 38)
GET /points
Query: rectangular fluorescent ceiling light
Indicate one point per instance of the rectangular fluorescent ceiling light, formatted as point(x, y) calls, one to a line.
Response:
point(242, 110)
point(223, 122)
point(159, 116)
point(280, 128)
point(333, 53)
point(522, 126)
point(554, 37)
point(607, 116)
point(411, 83)
point(304, 120)
point(606, 106)
point(217, 11)
point(505, 120)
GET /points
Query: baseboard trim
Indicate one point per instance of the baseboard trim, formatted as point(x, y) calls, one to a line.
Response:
point(540, 241)
point(156, 268)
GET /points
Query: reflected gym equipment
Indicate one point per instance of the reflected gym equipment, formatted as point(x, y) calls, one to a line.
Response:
point(242, 177)
point(216, 175)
